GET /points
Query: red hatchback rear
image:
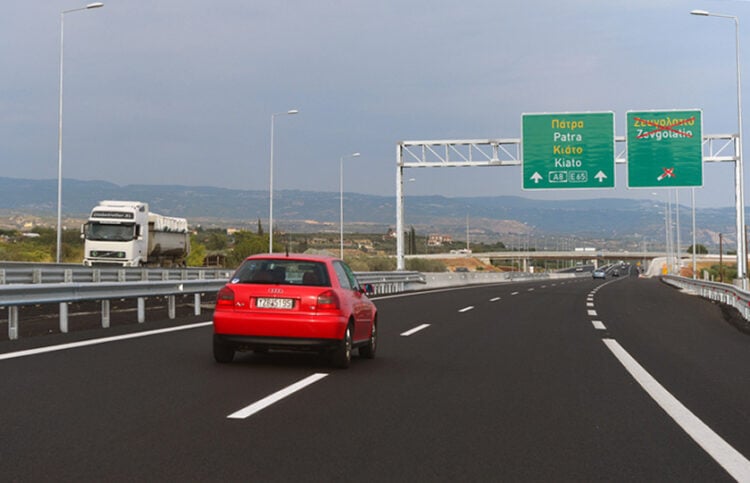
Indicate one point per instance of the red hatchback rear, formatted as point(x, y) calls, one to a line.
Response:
point(294, 302)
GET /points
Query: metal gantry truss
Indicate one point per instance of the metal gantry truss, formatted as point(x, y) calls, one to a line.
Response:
point(460, 153)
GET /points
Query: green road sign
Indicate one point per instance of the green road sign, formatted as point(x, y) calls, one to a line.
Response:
point(570, 150)
point(665, 149)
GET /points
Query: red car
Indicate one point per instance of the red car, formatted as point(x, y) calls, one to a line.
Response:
point(297, 302)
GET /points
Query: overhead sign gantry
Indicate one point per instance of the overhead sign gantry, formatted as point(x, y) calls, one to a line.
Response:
point(458, 153)
point(568, 151)
point(665, 149)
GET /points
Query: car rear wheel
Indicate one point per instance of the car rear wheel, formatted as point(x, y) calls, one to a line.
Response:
point(342, 356)
point(223, 353)
point(368, 351)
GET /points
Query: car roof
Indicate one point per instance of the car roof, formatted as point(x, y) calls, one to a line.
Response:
point(292, 256)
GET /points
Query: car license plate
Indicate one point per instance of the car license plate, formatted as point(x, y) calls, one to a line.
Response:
point(274, 303)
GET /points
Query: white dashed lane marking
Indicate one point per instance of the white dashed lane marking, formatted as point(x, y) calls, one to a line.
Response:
point(414, 330)
point(275, 397)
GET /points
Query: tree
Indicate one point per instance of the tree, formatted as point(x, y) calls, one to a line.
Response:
point(246, 244)
point(197, 255)
point(699, 249)
point(412, 241)
point(260, 228)
point(216, 240)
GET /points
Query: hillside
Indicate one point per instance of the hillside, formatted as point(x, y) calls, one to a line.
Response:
point(631, 222)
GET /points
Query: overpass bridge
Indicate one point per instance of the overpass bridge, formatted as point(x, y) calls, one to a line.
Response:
point(575, 255)
point(652, 261)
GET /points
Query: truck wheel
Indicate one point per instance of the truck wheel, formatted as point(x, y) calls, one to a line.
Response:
point(223, 353)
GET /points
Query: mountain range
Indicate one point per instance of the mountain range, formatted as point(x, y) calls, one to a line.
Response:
point(627, 222)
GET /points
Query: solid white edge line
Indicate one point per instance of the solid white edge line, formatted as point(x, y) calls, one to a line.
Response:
point(104, 340)
point(598, 325)
point(414, 330)
point(466, 309)
point(729, 458)
point(248, 411)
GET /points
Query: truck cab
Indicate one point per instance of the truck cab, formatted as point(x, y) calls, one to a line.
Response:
point(117, 234)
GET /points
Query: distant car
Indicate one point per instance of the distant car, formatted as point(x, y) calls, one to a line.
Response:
point(615, 273)
point(462, 269)
point(599, 273)
point(294, 302)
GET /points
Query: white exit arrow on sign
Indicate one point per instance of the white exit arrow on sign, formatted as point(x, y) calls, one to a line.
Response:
point(536, 177)
point(600, 176)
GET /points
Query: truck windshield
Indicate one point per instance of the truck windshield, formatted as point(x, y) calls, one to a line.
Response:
point(101, 232)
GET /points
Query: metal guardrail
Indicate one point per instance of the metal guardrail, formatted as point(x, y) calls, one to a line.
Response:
point(719, 292)
point(27, 273)
point(13, 296)
point(16, 295)
point(391, 282)
point(172, 283)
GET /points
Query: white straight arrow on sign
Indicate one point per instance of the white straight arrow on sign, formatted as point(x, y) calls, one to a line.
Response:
point(536, 177)
point(600, 176)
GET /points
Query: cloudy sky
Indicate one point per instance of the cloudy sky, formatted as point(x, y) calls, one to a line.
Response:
point(182, 91)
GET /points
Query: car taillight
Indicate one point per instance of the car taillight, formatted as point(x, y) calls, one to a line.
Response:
point(225, 298)
point(328, 300)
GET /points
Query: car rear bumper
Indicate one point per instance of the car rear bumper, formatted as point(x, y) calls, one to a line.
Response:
point(247, 342)
point(279, 325)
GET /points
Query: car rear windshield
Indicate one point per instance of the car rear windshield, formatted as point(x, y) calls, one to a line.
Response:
point(282, 271)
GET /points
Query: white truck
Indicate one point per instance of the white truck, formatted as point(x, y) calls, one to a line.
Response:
point(125, 233)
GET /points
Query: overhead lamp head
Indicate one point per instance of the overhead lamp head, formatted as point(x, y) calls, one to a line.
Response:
point(702, 13)
point(94, 5)
point(292, 111)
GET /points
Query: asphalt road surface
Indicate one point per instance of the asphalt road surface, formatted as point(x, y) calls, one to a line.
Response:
point(622, 379)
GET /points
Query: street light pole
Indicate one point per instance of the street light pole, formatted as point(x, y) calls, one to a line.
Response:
point(341, 201)
point(58, 251)
point(270, 184)
point(739, 179)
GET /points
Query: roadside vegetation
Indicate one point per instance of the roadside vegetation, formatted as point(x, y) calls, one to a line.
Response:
point(40, 245)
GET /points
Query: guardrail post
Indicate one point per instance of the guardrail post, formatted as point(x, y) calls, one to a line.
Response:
point(64, 317)
point(141, 310)
point(36, 275)
point(171, 304)
point(13, 322)
point(121, 275)
point(197, 304)
point(184, 275)
point(96, 275)
point(105, 314)
point(2, 276)
point(68, 275)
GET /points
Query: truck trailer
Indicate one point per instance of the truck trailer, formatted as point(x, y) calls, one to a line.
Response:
point(125, 233)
